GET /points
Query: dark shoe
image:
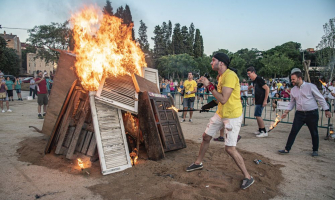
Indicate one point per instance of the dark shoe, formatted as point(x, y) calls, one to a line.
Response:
point(44, 114)
point(238, 138)
point(40, 116)
point(220, 139)
point(247, 182)
point(194, 167)
point(315, 153)
point(283, 151)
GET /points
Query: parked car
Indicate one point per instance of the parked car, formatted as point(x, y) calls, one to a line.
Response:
point(27, 80)
point(11, 77)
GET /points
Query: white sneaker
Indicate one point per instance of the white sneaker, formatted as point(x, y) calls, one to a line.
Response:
point(183, 120)
point(3, 111)
point(262, 134)
point(9, 110)
point(257, 133)
point(190, 120)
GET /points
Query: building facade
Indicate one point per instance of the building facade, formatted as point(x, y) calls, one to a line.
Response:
point(13, 42)
point(35, 64)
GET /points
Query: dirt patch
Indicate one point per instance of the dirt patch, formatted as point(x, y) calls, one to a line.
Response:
point(167, 178)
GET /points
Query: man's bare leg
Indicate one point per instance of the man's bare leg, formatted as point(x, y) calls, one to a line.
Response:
point(260, 122)
point(184, 113)
point(238, 160)
point(203, 148)
point(44, 108)
point(39, 109)
point(191, 113)
point(7, 104)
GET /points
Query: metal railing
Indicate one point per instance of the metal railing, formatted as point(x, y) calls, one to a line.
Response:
point(248, 108)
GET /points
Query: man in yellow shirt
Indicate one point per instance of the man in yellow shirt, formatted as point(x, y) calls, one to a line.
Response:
point(189, 96)
point(229, 115)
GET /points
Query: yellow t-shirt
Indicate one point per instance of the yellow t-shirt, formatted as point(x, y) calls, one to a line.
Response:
point(279, 85)
point(189, 86)
point(233, 107)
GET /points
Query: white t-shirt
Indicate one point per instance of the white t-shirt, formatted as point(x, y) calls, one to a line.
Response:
point(244, 93)
point(331, 88)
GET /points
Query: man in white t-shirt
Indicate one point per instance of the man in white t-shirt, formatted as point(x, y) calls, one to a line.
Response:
point(330, 96)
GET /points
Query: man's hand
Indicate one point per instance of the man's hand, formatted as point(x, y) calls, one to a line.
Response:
point(204, 81)
point(328, 114)
point(333, 94)
point(284, 114)
point(265, 103)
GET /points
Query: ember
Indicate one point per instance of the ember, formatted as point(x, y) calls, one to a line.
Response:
point(134, 157)
point(103, 46)
point(80, 163)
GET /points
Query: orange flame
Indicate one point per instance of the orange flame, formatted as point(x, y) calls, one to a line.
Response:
point(179, 89)
point(172, 108)
point(277, 120)
point(323, 83)
point(80, 163)
point(103, 46)
point(134, 157)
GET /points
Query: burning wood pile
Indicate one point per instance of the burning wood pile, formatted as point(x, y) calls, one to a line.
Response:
point(102, 105)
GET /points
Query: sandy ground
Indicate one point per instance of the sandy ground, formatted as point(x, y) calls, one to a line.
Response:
point(27, 174)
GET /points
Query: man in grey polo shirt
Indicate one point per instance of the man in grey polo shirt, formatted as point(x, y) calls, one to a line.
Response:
point(304, 96)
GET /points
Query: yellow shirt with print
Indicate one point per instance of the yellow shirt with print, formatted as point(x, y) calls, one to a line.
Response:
point(189, 86)
point(233, 107)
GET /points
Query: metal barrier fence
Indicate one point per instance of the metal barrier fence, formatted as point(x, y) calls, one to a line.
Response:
point(248, 108)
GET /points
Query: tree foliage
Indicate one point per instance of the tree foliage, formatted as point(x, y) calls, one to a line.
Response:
point(176, 66)
point(143, 37)
point(326, 48)
point(108, 9)
point(277, 64)
point(44, 37)
point(9, 60)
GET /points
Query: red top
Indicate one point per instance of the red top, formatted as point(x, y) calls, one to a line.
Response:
point(42, 86)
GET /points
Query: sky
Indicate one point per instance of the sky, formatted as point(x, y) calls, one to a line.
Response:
point(224, 24)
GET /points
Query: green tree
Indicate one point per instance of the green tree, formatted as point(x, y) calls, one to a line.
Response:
point(197, 47)
point(44, 37)
point(325, 55)
point(9, 60)
point(159, 45)
point(177, 40)
point(143, 37)
point(276, 64)
point(176, 66)
point(108, 9)
point(190, 40)
point(185, 35)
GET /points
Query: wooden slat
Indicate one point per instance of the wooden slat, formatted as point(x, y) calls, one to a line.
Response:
point(92, 147)
point(63, 81)
point(87, 142)
point(81, 140)
point(66, 121)
point(78, 129)
point(69, 135)
point(148, 126)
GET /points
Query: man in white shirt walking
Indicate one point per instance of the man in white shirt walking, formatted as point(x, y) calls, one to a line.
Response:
point(304, 96)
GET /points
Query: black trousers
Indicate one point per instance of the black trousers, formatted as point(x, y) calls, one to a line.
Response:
point(32, 92)
point(311, 119)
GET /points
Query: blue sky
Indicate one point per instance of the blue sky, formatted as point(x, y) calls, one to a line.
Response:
point(224, 24)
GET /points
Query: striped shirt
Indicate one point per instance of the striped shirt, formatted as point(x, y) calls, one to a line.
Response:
point(305, 97)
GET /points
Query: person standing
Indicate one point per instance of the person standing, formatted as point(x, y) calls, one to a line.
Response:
point(9, 84)
point(228, 115)
point(18, 83)
point(42, 94)
point(181, 86)
point(285, 92)
point(32, 88)
point(166, 87)
point(4, 95)
point(172, 88)
point(261, 100)
point(305, 97)
point(49, 83)
point(190, 88)
point(244, 91)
